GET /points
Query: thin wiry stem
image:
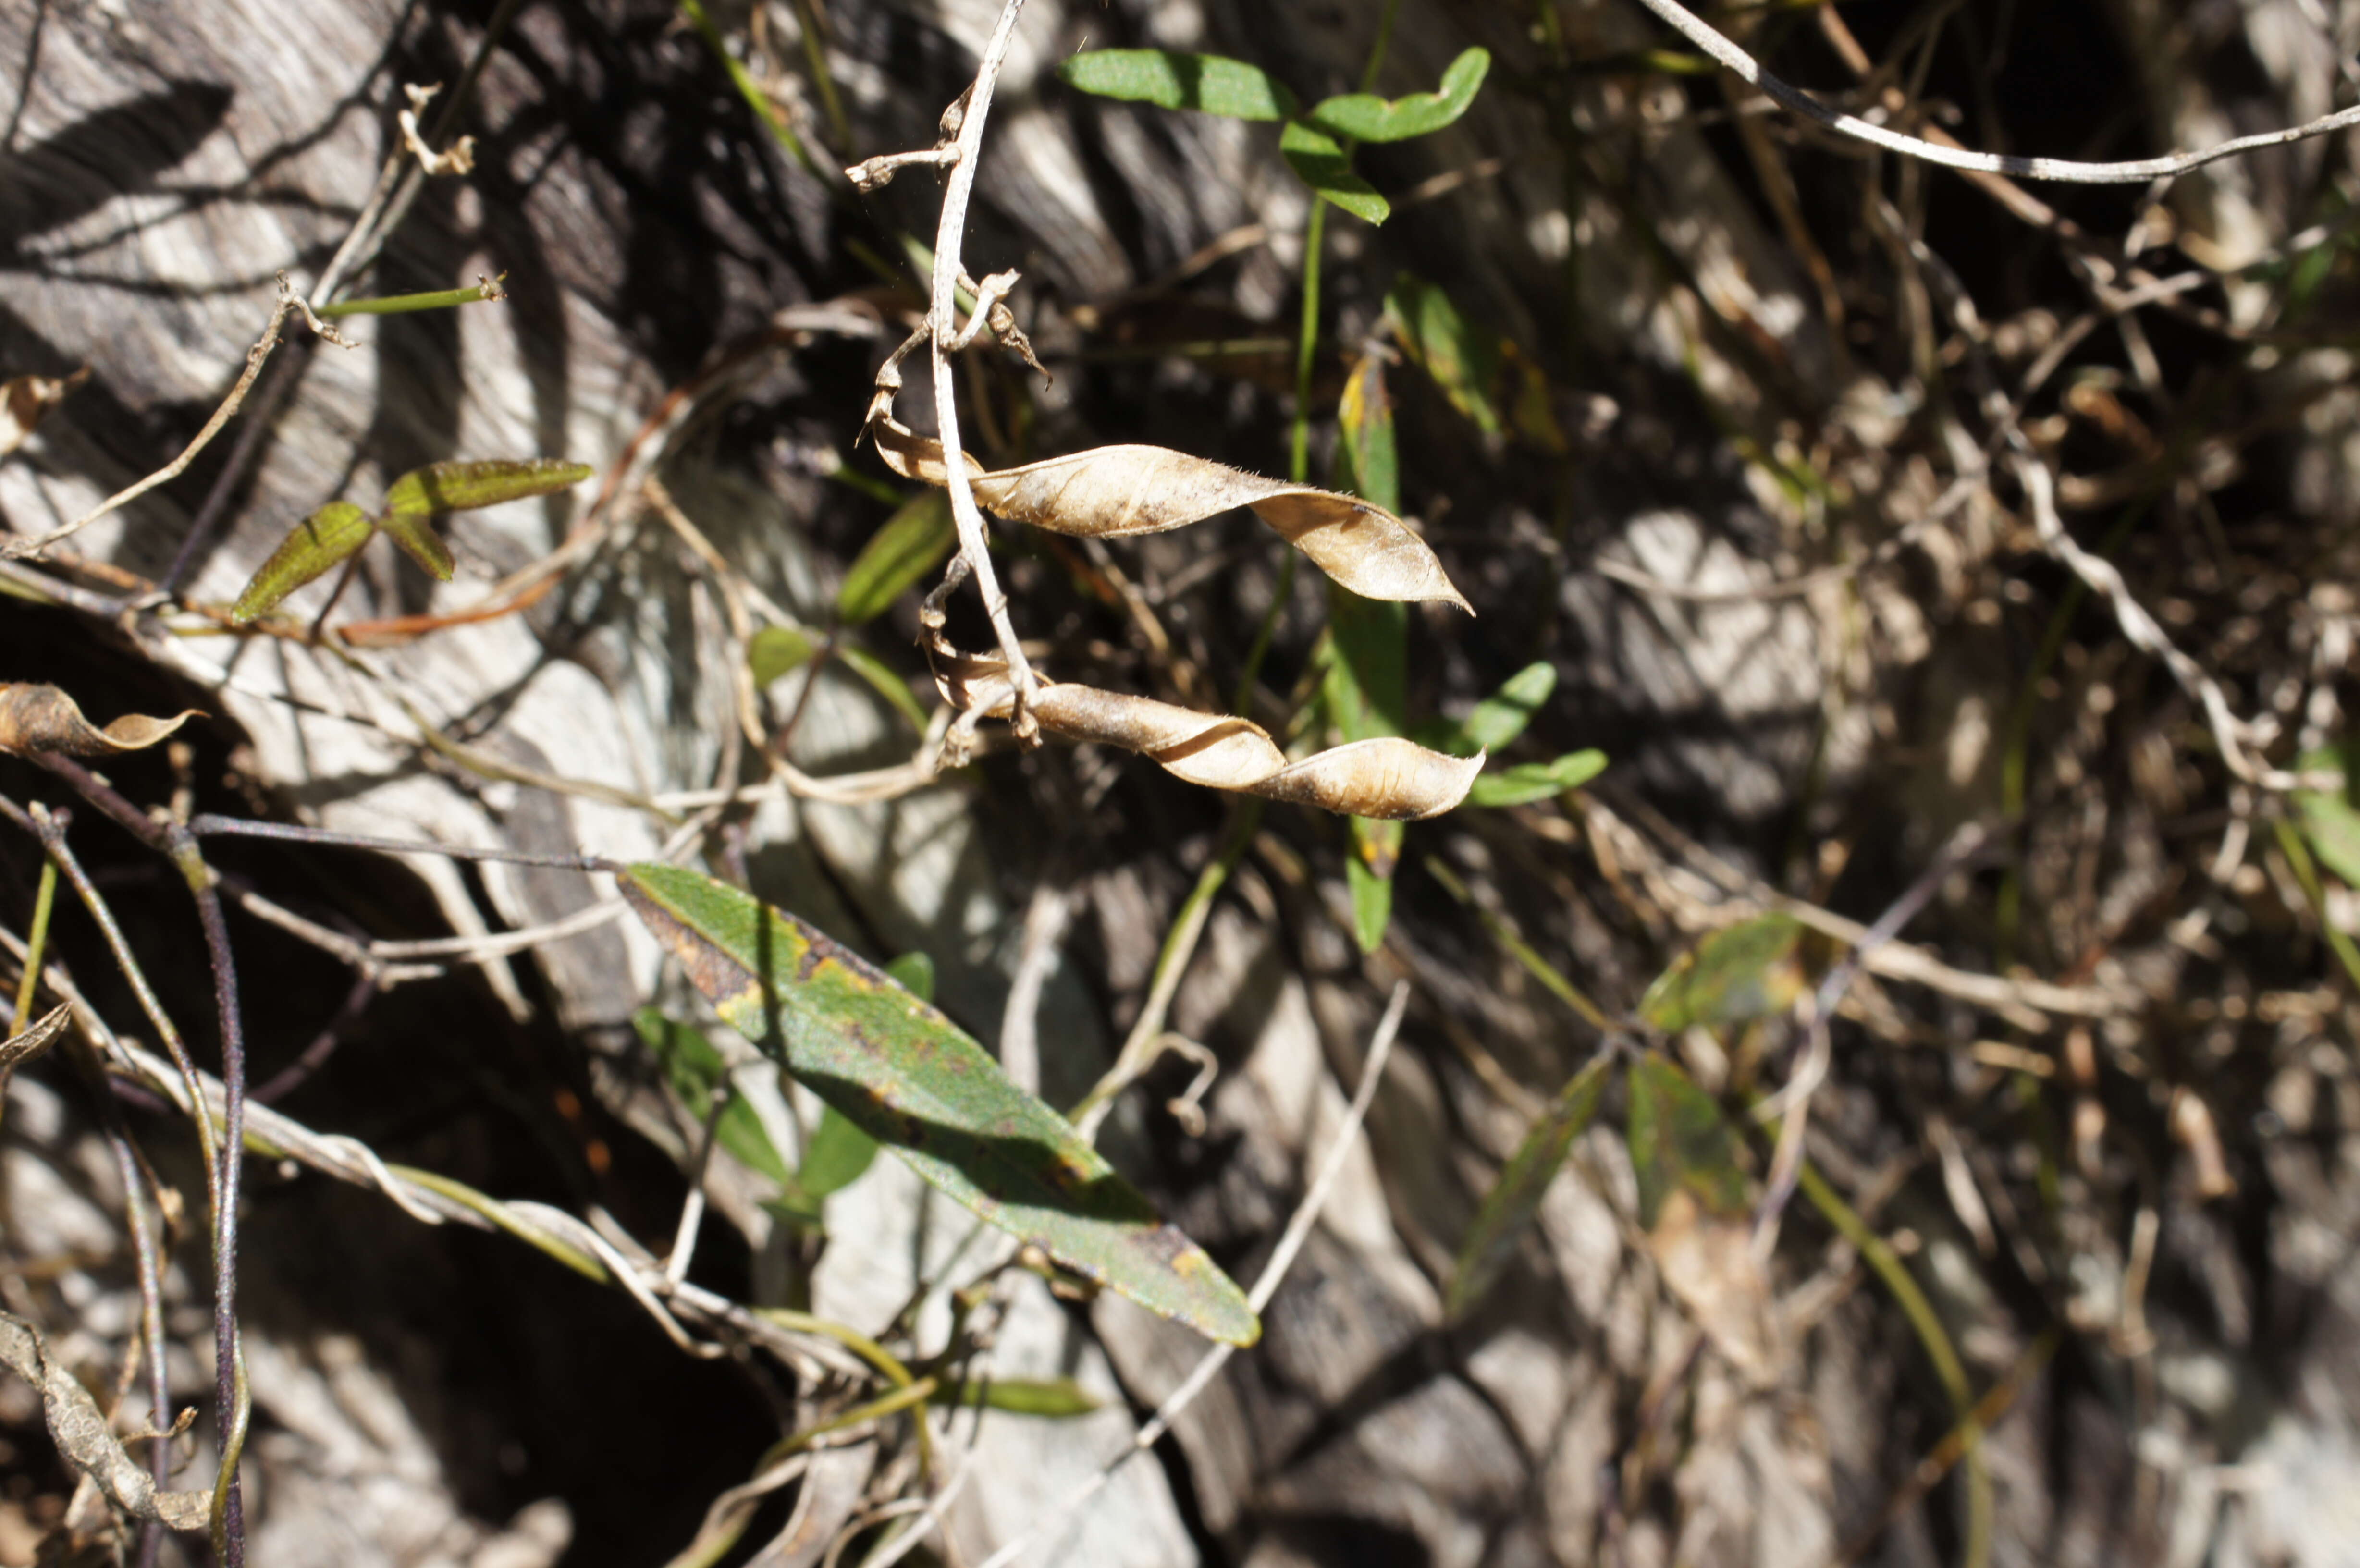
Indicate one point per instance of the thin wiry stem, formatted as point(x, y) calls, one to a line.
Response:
point(2134, 172)
point(948, 234)
point(228, 1371)
point(1265, 1286)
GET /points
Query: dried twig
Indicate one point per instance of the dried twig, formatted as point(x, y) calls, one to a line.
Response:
point(1265, 1286)
point(963, 124)
point(2134, 172)
point(288, 301)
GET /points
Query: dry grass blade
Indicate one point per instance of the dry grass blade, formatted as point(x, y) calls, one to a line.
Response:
point(1387, 778)
point(42, 718)
point(80, 1432)
point(19, 1049)
point(1112, 491)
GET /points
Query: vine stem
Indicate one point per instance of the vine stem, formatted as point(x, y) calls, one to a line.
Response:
point(958, 191)
point(2136, 171)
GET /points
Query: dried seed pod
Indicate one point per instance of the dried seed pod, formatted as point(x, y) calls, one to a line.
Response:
point(1109, 492)
point(42, 718)
point(1386, 778)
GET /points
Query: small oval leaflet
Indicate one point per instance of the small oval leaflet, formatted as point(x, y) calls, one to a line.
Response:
point(903, 1073)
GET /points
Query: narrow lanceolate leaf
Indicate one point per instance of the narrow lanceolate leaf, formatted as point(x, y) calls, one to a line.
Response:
point(1754, 969)
point(774, 651)
point(906, 1075)
point(885, 681)
point(42, 718)
point(1113, 492)
point(1325, 164)
point(2327, 816)
point(698, 1076)
point(1680, 1143)
point(1524, 1182)
point(1056, 1398)
point(1530, 782)
point(1209, 84)
point(416, 536)
point(465, 487)
point(911, 543)
point(322, 541)
point(1483, 374)
point(1365, 118)
point(1501, 717)
point(1388, 778)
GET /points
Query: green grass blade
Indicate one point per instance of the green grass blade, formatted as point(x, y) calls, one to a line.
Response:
point(906, 1075)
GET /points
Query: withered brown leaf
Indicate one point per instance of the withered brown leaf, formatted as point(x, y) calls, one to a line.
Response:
point(1110, 491)
point(42, 718)
point(19, 1049)
point(1386, 778)
point(23, 399)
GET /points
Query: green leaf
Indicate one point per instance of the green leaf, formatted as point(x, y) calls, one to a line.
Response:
point(1501, 717)
point(774, 651)
point(1057, 1398)
point(905, 1074)
point(1368, 464)
point(1463, 361)
point(1482, 375)
point(910, 544)
point(325, 539)
point(887, 684)
point(1680, 1141)
point(1517, 1196)
point(2328, 818)
point(418, 542)
point(1372, 895)
point(465, 487)
point(838, 1155)
point(1366, 117)
point(1366, 686)
point(914, 973)
point(1530, 782)
point(1209, 84)
point(694, 1068)
point(1325, 166)
point(1754, 969)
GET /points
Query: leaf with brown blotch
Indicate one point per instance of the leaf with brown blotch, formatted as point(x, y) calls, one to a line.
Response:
point(1386, 777)
point(23, 399)
point(42, 718)
point(1112, 491)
